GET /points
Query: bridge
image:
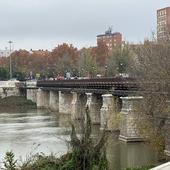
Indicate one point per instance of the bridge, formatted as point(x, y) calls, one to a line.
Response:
point(115, 86)
point(108, 99)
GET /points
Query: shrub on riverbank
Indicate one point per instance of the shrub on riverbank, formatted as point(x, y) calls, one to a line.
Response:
point(13, 103)
point(66, 162)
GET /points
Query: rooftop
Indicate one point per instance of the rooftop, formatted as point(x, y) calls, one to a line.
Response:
point(110, 34)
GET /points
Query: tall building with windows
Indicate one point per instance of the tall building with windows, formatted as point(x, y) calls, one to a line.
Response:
point(163, 23)
point(110, 39)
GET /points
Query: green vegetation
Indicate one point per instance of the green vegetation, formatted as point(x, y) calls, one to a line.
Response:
point(4, 75)
point(154, 68)
point(66, 162)
point(18, 103)
point(10, 163)
point(121, 60)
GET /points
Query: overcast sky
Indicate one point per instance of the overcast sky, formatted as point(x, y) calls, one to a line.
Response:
point(42, 24)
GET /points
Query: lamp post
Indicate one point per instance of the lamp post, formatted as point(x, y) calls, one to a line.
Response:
point(6, 52)
point(10, 61)
point(105, 71)
point(121, 67)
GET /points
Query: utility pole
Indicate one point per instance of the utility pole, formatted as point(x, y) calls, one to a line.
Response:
point(10, 60)
point(105, 72)
point(6, 52)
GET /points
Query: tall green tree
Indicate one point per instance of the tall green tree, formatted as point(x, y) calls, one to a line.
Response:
point(4, 73)
point(121, 60)
point(87, 63)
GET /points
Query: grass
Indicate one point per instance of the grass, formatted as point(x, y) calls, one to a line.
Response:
point(12, 103)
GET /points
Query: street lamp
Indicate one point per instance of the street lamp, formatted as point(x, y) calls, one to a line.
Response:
point(10, 61)
point(105, 71)
point(121, 68)
point(6, 52)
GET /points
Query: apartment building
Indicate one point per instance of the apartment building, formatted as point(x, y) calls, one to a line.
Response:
point(163, 23)
point(110, 39)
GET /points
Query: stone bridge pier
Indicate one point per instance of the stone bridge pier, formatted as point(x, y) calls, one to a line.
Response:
point(32, 95)
point(128, 126)
point(43, 97)
point(94, 103)
point(54, 100)
point(78, 105)
point(65, 99)
point(110, 112)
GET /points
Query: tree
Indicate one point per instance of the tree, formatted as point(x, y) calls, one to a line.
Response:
point(154, 79)
point(20, 61)
point(64, 58)
point(121, 60)
point(4, 73)
point(87, 63)
point(87, 154)
point(26, 64)
point(43, 62)
point(101, 53)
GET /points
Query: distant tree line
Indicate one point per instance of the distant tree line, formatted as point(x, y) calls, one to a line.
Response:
point(67, 58)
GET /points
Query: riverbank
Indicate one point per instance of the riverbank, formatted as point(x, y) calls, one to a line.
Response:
point(65, 162)
point(12, 103)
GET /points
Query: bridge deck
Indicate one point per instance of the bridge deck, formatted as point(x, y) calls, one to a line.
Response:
point(98, 83)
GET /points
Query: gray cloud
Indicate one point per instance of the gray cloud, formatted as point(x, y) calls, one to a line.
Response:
point(44, 23)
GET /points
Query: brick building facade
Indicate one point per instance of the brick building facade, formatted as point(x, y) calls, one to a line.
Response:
point(163, 23)
point(110, 39)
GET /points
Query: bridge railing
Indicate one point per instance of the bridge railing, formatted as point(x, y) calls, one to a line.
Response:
point(96, 83)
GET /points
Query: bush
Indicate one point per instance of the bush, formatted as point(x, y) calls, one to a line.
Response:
point(10, 162)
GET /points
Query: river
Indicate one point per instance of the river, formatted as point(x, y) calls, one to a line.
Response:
point(37, 131)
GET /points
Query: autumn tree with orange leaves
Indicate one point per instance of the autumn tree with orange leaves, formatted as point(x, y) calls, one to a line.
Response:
point(25, 63)
point(64, 58)
point(101, 53)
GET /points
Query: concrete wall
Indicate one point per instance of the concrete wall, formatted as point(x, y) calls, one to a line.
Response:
point(10, 91)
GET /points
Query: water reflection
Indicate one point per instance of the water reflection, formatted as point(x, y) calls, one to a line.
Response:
point(41, 131)
point(23, 132)
point(122, 155)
